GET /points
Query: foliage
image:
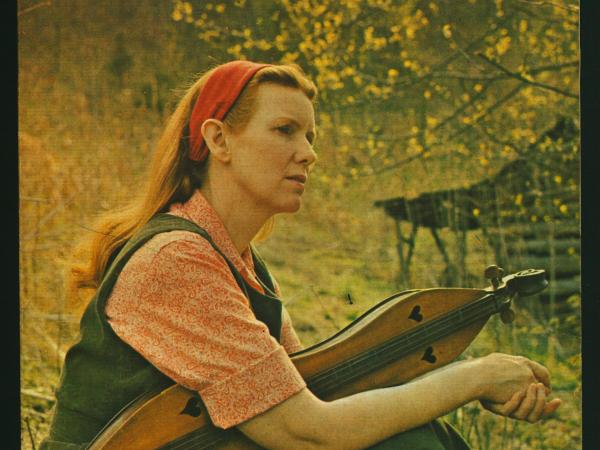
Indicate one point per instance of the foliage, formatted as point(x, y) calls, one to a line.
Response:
point(472, 81)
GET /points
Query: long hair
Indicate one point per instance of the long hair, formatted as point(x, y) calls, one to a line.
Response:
point(172, 177)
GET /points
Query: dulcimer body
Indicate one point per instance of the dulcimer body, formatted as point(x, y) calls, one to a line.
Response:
point(400, 338)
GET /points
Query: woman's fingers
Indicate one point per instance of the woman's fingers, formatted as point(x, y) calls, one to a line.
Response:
point(540, 403)
point(551, 406)
point(511, 406)
point(528, 403)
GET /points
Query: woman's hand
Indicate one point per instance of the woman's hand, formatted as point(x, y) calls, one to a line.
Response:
point(529, 405)
point(527, 383)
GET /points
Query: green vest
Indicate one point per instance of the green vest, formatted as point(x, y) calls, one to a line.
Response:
point(102, 373)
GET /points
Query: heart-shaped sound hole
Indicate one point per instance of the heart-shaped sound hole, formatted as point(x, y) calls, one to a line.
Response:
point(416, 314)
point(429, 356)
point(192, 407)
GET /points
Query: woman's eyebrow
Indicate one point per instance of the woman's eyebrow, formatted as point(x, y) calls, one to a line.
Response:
point(288, 118)
point(312, 130)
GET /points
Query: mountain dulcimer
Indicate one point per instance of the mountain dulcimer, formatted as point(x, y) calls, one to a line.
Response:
point(400, 338)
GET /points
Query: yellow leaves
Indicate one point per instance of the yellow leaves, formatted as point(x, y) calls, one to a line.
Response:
point(208, 35)
point(503, 45)
point(281, 40)
point(290, 57)
point(373, 89)
point(235, 51)
point(499, 8)
point(373, 42)
point(519, 200)
point(431, 121)
point(348, 71)
point(181, 10)
point(532, 40)
point(176, 15)
point(523, 25)
point(489, 52)
point(447, 31)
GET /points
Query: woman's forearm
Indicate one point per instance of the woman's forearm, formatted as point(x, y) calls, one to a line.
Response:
point(508, 384)
point(361, 420)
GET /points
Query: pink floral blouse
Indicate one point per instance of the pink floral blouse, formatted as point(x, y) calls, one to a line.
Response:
point(177, 304)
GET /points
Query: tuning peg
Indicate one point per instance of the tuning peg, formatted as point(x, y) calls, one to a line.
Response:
point(507, 315)
point(494, 274)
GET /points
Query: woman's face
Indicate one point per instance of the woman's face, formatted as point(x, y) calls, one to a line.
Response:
point(271, 156)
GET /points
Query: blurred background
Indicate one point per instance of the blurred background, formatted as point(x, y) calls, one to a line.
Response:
point(448, 141)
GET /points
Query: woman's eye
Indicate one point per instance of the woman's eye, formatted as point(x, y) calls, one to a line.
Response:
point(285, 129)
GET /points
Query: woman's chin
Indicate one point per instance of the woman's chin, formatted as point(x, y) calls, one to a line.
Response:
point(291, 206)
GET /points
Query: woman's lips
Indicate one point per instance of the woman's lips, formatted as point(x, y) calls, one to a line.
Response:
point(298, 180)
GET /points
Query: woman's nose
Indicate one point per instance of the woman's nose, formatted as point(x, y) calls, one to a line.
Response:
point(306, 154)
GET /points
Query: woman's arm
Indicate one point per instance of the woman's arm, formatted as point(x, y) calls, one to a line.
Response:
point(361, 420)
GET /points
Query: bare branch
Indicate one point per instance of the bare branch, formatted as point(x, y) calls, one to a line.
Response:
point(492, 137)
point(545, 18)
point(502, 76)
point(489, 110)
point(397, 164)
point(570, 8)
point(31, 8)
point(519, 77)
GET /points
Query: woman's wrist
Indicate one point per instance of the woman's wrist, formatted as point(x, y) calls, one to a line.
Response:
point(473, 373)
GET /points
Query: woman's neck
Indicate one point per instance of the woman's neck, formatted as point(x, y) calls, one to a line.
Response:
point(242, 220)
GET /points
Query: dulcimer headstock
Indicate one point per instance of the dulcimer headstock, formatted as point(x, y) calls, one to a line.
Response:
point(520, 284)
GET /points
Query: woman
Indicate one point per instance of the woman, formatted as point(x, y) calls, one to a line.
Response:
point(184, 298)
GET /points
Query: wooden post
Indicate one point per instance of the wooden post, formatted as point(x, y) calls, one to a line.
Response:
point(403, 279)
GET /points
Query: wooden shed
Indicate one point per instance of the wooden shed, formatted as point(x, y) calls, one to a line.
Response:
point(527, 213)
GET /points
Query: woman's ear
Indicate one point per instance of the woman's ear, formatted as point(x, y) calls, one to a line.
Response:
point(213, 131)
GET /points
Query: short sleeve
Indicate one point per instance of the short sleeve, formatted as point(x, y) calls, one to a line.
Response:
point(188, 317)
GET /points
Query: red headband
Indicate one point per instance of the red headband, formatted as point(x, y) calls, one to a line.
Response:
point(216, 98)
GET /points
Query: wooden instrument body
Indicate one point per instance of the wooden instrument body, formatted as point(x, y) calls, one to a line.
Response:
point(157, 420)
